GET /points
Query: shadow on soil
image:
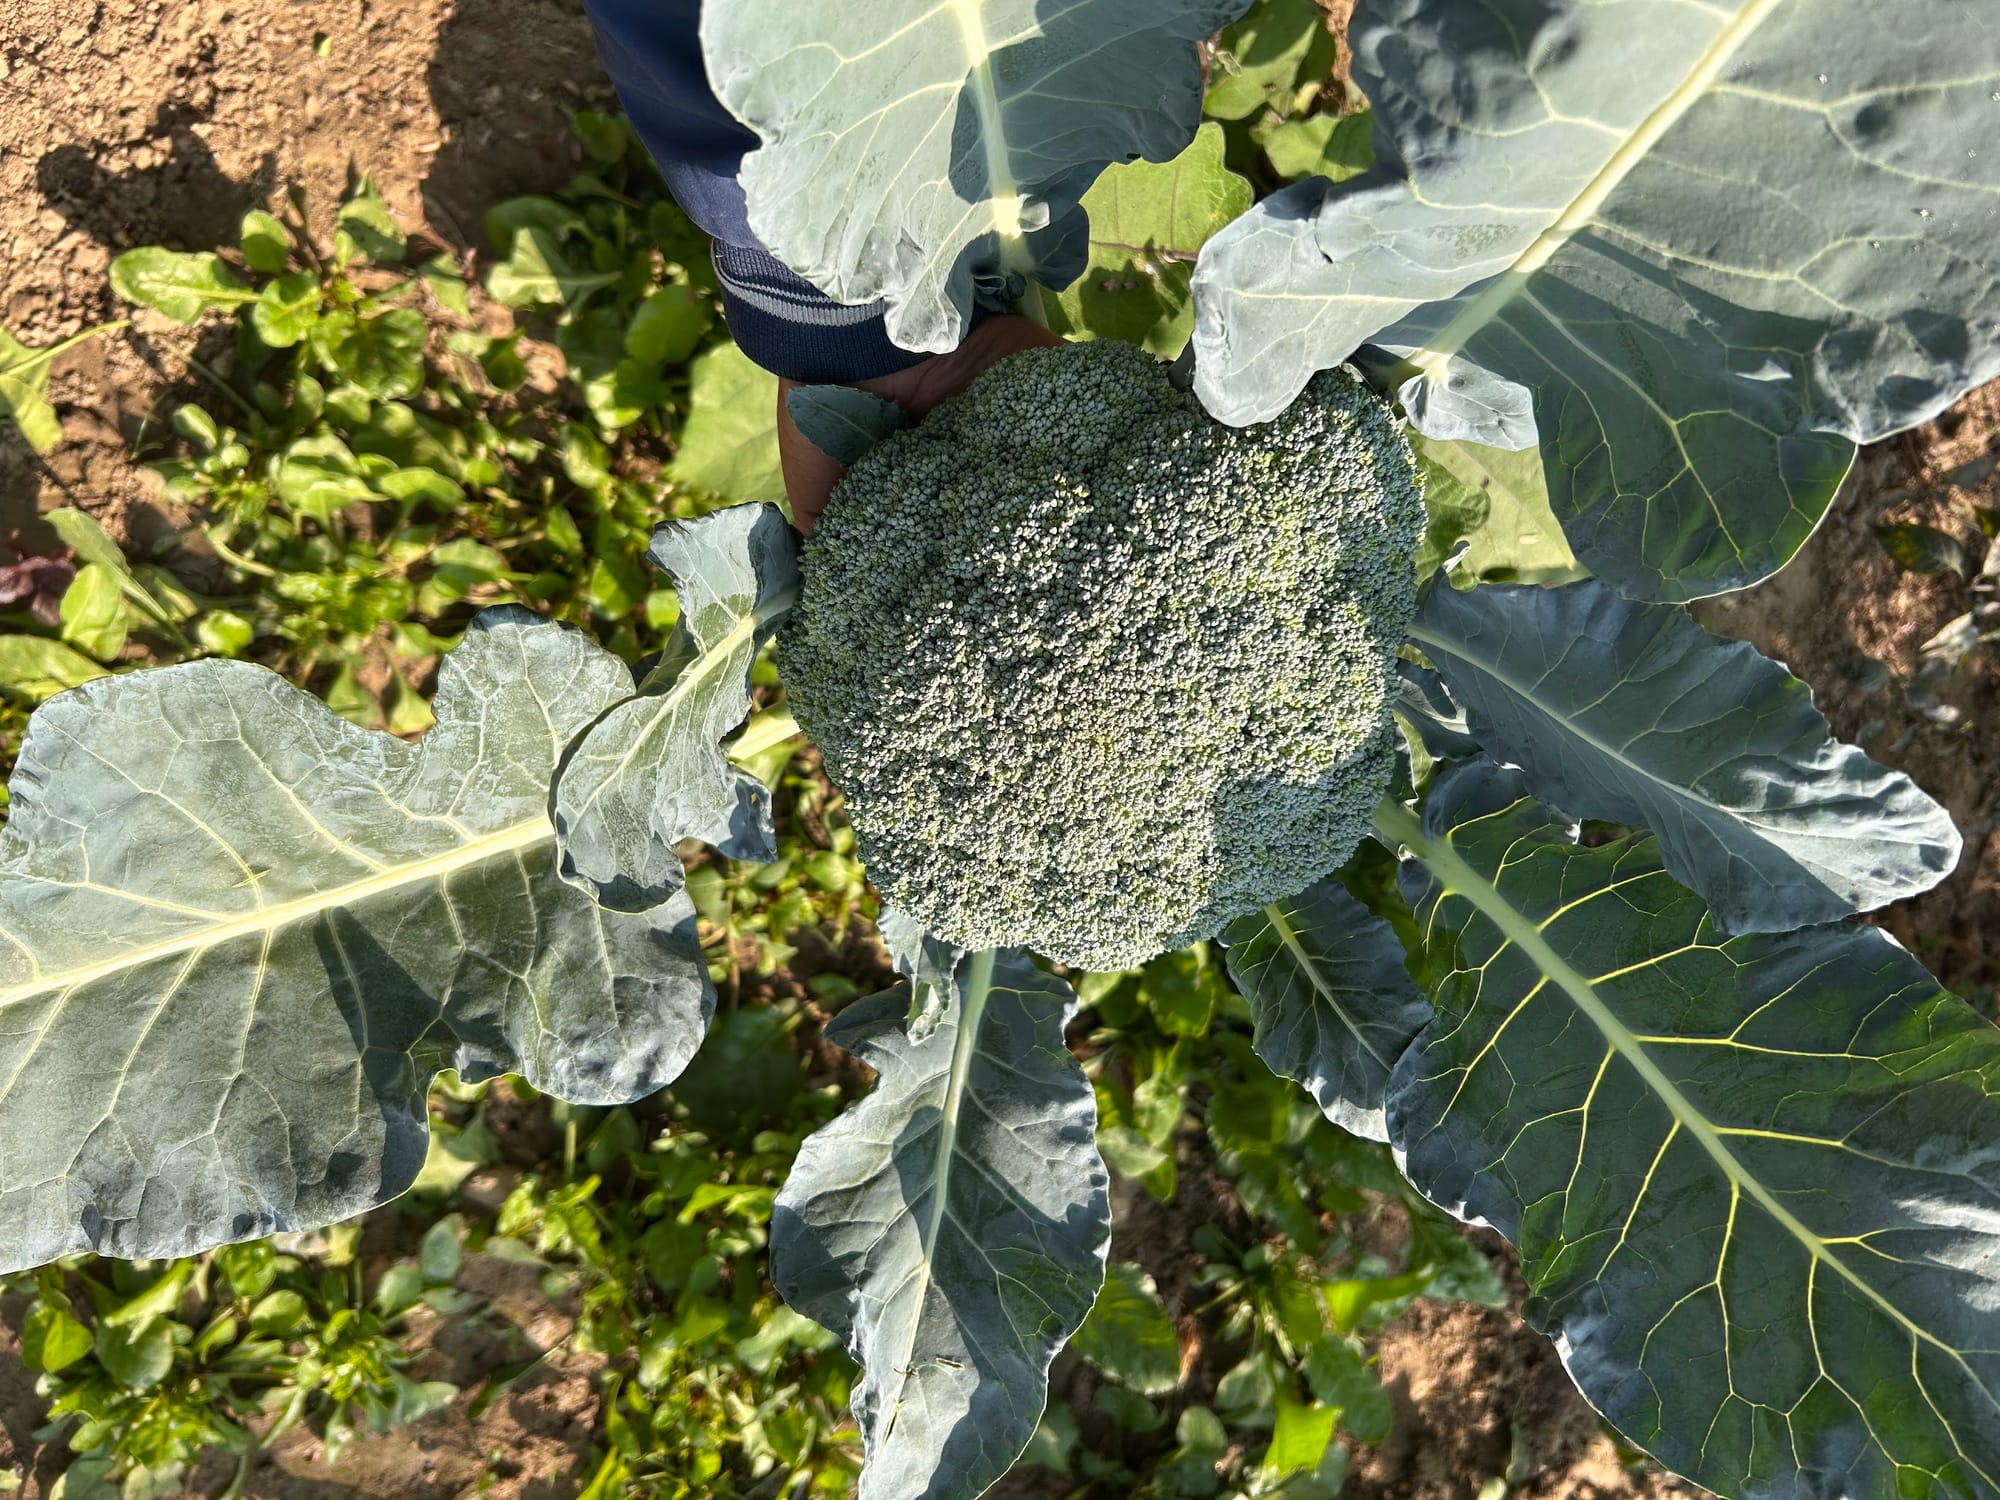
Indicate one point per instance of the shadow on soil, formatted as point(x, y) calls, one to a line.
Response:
point(185, 202)
point(506, 78)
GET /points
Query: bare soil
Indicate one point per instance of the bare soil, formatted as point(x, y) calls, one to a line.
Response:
point(1841, 612)
point(126, 122)
point(136, 122)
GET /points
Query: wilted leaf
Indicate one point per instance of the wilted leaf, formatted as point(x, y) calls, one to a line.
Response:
point(1921, 549)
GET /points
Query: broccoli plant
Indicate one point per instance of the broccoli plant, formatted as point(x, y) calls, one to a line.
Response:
point(1113, 657)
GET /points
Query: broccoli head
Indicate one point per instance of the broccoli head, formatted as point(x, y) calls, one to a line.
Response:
point(1097, 673)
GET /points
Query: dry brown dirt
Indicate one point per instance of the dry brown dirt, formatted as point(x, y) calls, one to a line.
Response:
point(1842, 605)
point(134, 122)
point(126, 122)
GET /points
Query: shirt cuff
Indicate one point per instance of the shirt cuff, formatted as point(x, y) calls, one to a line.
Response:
point(796, 331)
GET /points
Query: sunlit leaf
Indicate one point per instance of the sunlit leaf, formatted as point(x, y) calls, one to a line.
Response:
point(924, 154)
point(243, 936)
point(183, 286)
point(1148, 222)
point(1755, 1181)
point(651, 771)
point(729, 444)
point(951, 1228)
point(1601, 204)
point(1633, 713)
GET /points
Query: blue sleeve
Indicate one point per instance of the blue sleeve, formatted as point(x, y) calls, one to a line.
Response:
point(653, 52)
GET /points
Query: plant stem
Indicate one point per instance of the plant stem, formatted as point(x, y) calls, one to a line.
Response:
point(1032, 307)
point(49, 356)
point(237, 560)
point(1398, 825)
point(223, 386)
point(137, 592)
point(765, 732)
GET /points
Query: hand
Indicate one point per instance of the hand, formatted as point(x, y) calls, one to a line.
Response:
point(810, 475)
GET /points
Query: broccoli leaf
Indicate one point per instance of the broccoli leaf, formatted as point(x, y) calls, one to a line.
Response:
point(1148, 222)
point(1426, 706)
point(1754, 1181)
point(952, 1227)
point(651, 771)
point(243, 935)
point(841, 421)
point(1601, 205)
point(925, 155)
point(1632, 712)
point(1332, 1004)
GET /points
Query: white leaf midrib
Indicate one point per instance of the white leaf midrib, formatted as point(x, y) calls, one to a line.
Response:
point(1583, 209)
point(965, 1047)
point(1003, 188)
point(433, 868)
point(1457, 875)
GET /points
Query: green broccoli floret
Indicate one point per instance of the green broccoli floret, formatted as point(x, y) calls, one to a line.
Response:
point(1097, 673)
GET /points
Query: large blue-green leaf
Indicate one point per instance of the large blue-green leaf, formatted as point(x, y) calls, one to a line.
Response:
point(1332, 1004)
point(1634, 713)
point(1755, 1181)
point(651, 771)
point(926, 152)
point(952, 1227)
point(241, 936)
point(1718, 243)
